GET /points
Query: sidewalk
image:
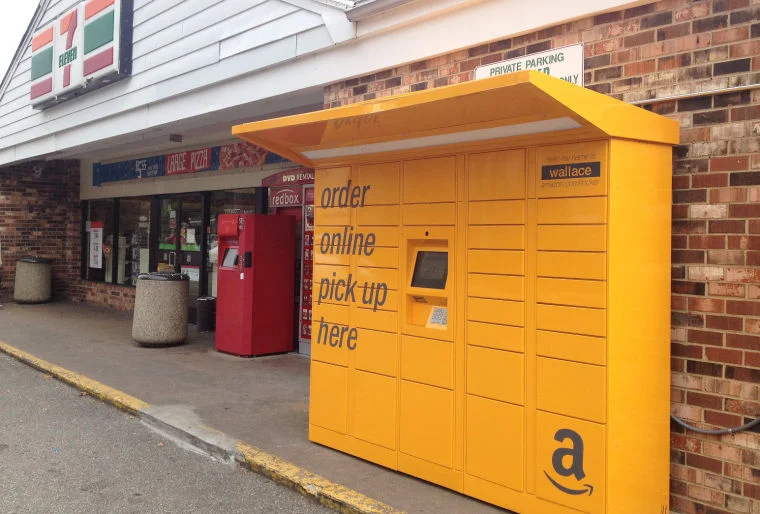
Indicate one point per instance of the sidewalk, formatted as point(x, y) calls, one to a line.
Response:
point(262, 402)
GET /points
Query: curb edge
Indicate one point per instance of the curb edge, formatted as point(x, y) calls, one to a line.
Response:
point(114, 397)
point(322, 490)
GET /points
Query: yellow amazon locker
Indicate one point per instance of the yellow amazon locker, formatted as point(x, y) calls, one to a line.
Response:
point(499, 322)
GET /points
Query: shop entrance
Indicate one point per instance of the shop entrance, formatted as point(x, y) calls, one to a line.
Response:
point(183, 234)
point(180, 239)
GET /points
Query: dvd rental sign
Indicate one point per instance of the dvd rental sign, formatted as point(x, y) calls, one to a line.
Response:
point(85, 48)
point(284, 197)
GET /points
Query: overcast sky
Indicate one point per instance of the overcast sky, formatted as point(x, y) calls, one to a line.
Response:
point(13, 23)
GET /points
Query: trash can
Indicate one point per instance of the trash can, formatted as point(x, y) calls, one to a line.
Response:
point(33, 280)
point(160, 317)
point(206, 313)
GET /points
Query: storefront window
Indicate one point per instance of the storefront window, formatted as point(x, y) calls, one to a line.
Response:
point(179, 227)
point(134, 239)
point(100, 228)
point(238, 200)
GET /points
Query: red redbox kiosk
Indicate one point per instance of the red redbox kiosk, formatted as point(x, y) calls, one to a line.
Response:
point(254, 305)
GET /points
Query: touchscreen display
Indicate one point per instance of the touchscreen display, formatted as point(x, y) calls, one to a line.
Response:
point(230, 258)
point(431, 270)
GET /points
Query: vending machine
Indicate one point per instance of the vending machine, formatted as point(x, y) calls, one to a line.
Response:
point(254, 311)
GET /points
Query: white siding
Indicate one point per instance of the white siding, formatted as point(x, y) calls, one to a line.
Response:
point(178, 47)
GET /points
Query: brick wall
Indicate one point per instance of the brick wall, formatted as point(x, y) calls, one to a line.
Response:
point(645, 54)
point(40, 215)
point(120, 298)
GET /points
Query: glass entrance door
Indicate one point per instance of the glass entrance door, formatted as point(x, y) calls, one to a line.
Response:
point(179, 241)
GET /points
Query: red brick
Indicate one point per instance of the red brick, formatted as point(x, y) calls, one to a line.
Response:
point(720, 37)
point(706, 337)
point(692, 351)
point(680, 211)
point(688, 256)
point(726, 227)
point(682, 182)
point(723, 355)
point(694, 11)
point(753, 258)
point(726, 257)
point(722, 419)
point(707, 305)
point(743, 308)
point(679, 303)
point(745, 113)
point(640, 68)
point(627, 55)
point(692, 226)
point(742, 407)
point(690, 196)
point(743, 242)
point(752, 326)
point(702, 462)
point(708, 401)
point(752, 491)
point(729, 5)
point(753, 291)
point(671, 62)
point(469, 65)
point(745, 49)
point(754, 226)
point(678, 487)
point(491, 58)
point(678, 242)
point(752, 359)
point(751, 457)
point(724, 322)
point(728, 195)
point(710, 180)
point(744, 374)
point(724, 289)
point(747, 210)
point(731, 163)
point(743, 341)
point(707, 242)
point(690, 135)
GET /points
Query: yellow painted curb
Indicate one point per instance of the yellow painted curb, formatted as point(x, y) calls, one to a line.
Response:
point(107, 394)
point(328, 493)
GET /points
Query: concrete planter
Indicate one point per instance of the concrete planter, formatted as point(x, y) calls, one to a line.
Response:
point(160, 317)
point(33, 280)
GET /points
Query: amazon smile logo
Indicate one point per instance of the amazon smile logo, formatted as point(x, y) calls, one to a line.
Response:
point(568, 462)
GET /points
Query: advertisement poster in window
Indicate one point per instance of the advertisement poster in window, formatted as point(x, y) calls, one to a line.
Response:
point(308, 261)
point(96, 244)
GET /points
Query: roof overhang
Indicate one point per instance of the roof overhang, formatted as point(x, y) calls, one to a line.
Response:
point(520, 104)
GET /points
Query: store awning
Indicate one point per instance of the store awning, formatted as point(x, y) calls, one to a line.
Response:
point(515, 105)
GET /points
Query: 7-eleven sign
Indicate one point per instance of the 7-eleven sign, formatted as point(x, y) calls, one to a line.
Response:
point(42, 64)
point(67, 60)
point(87, 47)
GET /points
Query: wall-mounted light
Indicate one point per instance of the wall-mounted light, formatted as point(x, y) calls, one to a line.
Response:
point(175, 138)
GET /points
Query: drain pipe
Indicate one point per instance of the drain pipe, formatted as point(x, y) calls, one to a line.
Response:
point(720, 431)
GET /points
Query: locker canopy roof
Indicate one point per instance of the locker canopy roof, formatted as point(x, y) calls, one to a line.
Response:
point(519, 104)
